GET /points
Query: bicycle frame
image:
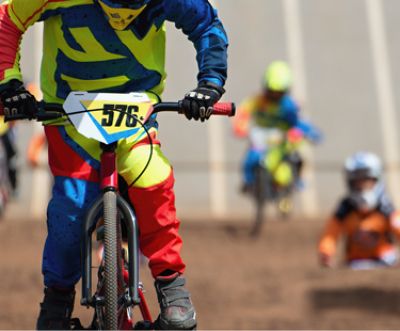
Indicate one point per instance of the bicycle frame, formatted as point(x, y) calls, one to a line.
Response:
point(109, 182)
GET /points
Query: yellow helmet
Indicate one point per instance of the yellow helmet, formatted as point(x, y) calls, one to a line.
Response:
point(278, 77)
point(121, 13)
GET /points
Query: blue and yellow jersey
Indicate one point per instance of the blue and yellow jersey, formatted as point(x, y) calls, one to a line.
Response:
point(83, 52)
point(259, 111)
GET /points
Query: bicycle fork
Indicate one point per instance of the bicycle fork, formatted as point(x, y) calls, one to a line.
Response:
point(109, 182)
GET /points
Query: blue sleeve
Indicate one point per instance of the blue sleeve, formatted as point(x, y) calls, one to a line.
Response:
point(310, 131)
point(290, 111)
point(199, 21)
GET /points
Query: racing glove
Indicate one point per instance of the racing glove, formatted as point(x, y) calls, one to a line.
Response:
point(198, 103)
point(16, 100)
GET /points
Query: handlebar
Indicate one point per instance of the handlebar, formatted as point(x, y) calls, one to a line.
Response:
point(54, 111)
point(220, 108)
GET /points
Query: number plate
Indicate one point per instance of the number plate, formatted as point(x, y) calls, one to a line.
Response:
point(108, 117)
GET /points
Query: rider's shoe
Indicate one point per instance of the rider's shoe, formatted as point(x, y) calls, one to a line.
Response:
point(56, 309)
point(177, 311)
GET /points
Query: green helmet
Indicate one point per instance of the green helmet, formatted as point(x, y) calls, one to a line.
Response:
point(278, 77)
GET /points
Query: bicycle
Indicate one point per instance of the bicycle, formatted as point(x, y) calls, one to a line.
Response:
point(118, 288)
point(275, 178)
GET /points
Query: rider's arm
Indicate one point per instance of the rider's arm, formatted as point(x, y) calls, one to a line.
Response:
point(395, 224)
point(10, 37)
point(333, 230)
point(386, 207)
point(328, 241)
point(241, 122)
point(290, 111)
point(199, 21)
point(15, 18)
point(310, 131)
point(35, 148)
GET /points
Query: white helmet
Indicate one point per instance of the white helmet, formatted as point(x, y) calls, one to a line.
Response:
point(364, 165)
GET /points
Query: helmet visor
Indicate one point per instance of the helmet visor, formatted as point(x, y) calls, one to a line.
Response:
point(362, 184)
point(120, 15)
point(360, 175)
point(273, 95)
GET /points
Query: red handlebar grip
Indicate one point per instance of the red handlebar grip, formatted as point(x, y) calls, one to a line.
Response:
point(224, 108)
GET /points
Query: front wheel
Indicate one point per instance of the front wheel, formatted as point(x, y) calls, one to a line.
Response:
point(111, 260)
point(285, 206)
point(260, 196)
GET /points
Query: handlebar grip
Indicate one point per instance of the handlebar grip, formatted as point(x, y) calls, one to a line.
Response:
point(41, 116)
point(15, 117)
point(224, 108)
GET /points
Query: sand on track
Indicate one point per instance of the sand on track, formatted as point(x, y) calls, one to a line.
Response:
point(273, 282)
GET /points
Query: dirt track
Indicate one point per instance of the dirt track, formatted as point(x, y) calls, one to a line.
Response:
point(236, 283)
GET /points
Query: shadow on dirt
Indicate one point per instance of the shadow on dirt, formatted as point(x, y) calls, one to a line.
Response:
point(381, 301)
point(236, 231)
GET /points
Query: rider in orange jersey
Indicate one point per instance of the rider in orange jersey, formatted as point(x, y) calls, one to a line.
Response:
point(365, 217)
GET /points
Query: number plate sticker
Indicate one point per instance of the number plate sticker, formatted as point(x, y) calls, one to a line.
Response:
point(108, 117)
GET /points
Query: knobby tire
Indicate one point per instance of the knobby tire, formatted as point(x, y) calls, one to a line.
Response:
point(260, 197)
point(111, 260)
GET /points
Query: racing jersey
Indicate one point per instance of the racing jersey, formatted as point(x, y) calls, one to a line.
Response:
point(82, 52)
point(260, 112)
point(367, 236)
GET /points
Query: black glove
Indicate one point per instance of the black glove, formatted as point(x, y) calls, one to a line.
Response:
point(17, 100)
point(198, 103)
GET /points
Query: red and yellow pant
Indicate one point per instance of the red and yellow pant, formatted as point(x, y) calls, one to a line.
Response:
point(74, 162)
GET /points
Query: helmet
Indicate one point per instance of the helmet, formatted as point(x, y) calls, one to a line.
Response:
point(120, 13)
point(361, 166)
point(278, 77)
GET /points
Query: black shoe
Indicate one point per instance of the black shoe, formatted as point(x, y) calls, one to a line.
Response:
point(56, 309)
point(177, 311)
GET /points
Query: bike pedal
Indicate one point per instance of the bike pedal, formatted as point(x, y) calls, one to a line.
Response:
point(99, 301)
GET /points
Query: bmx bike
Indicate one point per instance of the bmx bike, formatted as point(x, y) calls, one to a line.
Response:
point(108, 118)
point(275, 177)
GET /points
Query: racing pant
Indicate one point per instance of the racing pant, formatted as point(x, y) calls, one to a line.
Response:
point(74, 163)
point(256, 151)
point(252, 159)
